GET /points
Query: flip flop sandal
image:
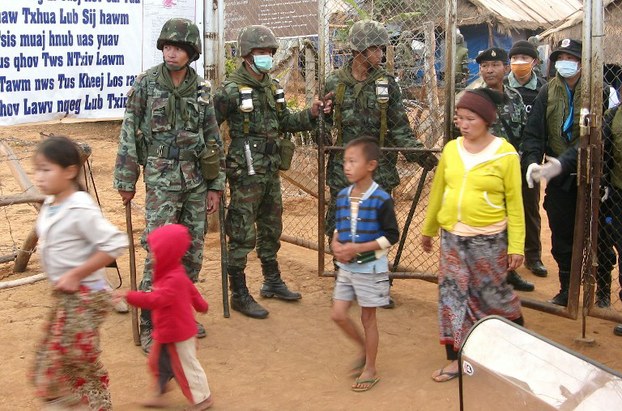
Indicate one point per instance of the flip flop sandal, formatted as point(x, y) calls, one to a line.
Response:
point(444, 376)
point(368, 384)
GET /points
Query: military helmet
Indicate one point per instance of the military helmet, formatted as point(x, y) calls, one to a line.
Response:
point(367, 33)
point(256, 37)
point(184, 33)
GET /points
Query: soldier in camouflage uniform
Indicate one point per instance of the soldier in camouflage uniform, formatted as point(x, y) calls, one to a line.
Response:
point(253, 104)
point(169, 124)
point(511, 118)
point(461, 63)
point(367, 101)
point(406, 59)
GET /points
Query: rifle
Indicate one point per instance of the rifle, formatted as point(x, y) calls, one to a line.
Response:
point(224, 258)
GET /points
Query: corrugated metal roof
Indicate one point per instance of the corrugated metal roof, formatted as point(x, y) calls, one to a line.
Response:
point(541, 12)
point(571, 21)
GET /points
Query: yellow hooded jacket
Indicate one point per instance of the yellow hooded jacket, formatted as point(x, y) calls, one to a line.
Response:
point(486, 194)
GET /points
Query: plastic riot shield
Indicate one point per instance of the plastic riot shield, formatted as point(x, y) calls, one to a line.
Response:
point(505, 367)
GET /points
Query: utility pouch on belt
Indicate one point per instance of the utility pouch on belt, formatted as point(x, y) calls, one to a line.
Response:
point(210, 160)
point(286, 152)
point(246, 99)
point(141, 148)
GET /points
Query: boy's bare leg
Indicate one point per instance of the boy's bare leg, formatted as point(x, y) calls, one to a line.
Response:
point(339, 314)
point(368, 318)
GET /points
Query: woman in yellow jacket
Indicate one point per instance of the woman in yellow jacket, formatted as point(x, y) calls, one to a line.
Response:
point(476, 202)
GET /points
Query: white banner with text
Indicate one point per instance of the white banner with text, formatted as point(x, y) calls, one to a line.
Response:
point(77, 58)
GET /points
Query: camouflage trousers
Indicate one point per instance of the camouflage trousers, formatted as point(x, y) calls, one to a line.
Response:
point(67, 365)
point(176, 207)
point(254, 218)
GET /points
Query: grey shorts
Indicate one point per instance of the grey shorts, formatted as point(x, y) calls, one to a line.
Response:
point(369, 289)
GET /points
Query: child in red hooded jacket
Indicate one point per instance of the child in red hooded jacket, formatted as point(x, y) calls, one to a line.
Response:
point(173, 300)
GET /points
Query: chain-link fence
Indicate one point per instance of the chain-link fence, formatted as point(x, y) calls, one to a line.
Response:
point(598, 240)
point(608, 52)
point(402, 106)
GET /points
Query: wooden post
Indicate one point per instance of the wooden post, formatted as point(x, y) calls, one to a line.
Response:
point(390, 60)
point(310, 73)
point(431, 84)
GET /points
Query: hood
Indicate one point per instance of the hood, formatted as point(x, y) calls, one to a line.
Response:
point(168, 244)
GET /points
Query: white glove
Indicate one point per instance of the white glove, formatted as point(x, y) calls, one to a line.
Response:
point(533, 174)
point(605, 196)
point(551, 168)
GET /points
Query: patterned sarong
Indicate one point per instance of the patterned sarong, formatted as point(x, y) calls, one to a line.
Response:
point(67, 364)
point(472, 284)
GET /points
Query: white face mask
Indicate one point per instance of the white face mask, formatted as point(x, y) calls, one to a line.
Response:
point(567, 68)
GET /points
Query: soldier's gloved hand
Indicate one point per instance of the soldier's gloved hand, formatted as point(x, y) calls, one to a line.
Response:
point(604, 191)
point(533, 174)
point(428, 160)
point(551, 168)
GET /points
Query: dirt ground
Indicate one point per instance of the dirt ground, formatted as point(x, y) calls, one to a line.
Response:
point(295, 359)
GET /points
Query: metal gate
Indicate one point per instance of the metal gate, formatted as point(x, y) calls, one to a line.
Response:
point(313, 37)
point(596, 248)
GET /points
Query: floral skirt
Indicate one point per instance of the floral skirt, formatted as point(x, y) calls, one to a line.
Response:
point(67, 364)
point(472, 284)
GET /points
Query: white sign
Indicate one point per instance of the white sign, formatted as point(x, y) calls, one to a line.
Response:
point(76, 58)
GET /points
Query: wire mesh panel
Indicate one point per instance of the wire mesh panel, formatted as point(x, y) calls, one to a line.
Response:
point(295, 24)
point(607, 283)
point(383, 73)
point(314, 42)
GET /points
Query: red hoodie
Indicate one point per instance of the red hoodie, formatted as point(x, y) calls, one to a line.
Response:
point(173, 295)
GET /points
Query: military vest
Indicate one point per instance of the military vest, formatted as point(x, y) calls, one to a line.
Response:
point(246, 106)
point(557, 110)
point(382, 97)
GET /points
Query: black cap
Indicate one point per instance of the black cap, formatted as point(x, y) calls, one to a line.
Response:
point(524, 47)
point(569, 46)
point(492, 54)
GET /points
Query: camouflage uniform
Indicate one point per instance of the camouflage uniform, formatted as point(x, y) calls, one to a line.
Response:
point(254, 217)
point(165, 132)
point(255, 199)
point(359, 112)
point(405, 59)
point(511, 117)
point(461, 63)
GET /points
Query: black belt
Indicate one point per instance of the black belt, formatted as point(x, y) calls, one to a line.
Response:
point(257, 145)
point(172, 153)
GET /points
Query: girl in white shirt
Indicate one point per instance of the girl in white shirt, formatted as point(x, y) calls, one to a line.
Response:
point(75, 243)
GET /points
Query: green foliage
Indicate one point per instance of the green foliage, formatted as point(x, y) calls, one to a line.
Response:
point(230, 65)
point(354, 4)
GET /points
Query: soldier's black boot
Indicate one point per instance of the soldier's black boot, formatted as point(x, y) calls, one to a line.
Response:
point(519, 284)
point(241, 300)
point(273, 285)
point(603, 288)
point(562, 296)
point(146, 329)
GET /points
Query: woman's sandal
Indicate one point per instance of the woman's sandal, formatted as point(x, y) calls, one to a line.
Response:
point(444, 376)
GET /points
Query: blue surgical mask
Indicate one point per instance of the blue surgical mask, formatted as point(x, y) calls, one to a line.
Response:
point(567, 68)
point(263, 63)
